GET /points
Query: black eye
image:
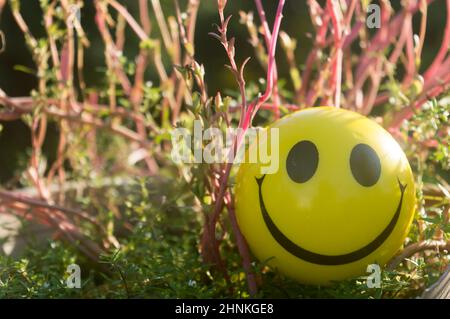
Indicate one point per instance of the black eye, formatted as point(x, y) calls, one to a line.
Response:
point(365, 165)
point(302, 161)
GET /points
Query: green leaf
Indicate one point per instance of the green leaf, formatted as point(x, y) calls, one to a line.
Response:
point(24, 69)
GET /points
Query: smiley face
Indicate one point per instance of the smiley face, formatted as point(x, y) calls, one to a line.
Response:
point(342, 198)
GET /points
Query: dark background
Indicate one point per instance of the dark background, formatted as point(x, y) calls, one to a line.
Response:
point(15, 137)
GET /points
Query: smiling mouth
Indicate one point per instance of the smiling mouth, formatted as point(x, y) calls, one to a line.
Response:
point(321, 259)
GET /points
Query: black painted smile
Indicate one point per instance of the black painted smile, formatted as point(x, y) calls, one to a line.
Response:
point(320, 259)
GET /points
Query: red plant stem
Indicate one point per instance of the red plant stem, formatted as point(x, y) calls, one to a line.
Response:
point(319, 43)
point(244, 122)
point(24, 105)
point(376, 78)
point(159, 14)
point(436, 77)
point(352, 35)
point(423, 28)
point(39, 122)
point(11, 196)
point(170, 99)
point(209, 244)
point(312, 56)
point(186, 37)
point(242, 247)
point(137, 90)
point(443, 50)
point(111, 55)
point(254, 107)
point(62, 68)
point(396, 53)
point(429, 92)
point(410, 55)
point(384, 36)
point(130, 20)
point(438, 245)
point(144, 17)
point(336, 72)
point(267, 39)
point(348, 17)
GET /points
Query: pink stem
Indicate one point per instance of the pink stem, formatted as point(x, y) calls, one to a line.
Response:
point(267, 39)
point(131, 21)
point(410, 64)
point(254, 107)
point(336, 72)
point(432, 88)
point(443, 50)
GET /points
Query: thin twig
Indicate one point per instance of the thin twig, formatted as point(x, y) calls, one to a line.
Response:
point(438, 245)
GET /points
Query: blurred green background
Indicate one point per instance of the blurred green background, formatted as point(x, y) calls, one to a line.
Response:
point(15, 137)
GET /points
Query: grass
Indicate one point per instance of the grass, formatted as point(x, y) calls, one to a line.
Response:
point(159, 258)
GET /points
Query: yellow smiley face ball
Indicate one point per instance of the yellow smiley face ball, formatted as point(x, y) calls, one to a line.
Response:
point(342, 197)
